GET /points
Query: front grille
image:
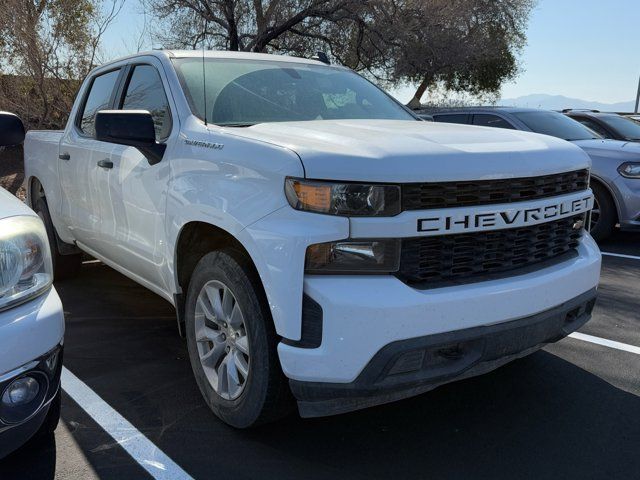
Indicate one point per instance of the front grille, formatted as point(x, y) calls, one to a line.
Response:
point(423, 196)
point(472, 257)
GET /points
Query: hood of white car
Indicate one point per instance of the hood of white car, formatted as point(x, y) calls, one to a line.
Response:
point(10, 206)
point(413, 151)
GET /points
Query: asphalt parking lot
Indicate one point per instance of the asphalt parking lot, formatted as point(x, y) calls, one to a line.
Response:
point(571, 410)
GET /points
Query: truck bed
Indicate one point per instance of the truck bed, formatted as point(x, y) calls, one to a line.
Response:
point(41, 155)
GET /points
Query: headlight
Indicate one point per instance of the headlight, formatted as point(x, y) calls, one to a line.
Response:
point(629, 170)
point(346, 199)
point(25, 260)
point(354, 256)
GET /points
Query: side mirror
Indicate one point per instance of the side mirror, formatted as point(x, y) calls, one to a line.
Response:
point(11, 130)
point(134, 128)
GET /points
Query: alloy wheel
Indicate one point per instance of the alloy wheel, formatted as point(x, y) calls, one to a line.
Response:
point(222, 341)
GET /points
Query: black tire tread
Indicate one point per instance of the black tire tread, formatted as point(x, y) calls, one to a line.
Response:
point(64, 266)
point(608, 214)
point(276, 400)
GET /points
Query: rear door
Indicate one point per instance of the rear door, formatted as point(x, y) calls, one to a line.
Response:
point(133, 192)
point(78, 155)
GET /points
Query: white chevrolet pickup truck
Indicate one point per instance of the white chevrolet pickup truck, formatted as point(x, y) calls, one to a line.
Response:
point(318, 241)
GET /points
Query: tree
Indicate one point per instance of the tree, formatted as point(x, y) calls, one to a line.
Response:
point(46, 48)
point(250, 25)
point(462, 45)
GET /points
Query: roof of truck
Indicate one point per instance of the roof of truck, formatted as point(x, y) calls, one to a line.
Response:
point(217, 54)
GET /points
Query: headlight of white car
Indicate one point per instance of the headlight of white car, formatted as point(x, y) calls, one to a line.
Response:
point(25, 260)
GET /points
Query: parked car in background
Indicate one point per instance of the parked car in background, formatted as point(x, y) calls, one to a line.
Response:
point(615, 174)
point(607, 125)
point(31, 318)
point(310, 230)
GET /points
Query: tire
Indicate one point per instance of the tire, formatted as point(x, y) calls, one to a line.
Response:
point(260, 396)
point(64, 266)
point(53, 416)
point(605, 214)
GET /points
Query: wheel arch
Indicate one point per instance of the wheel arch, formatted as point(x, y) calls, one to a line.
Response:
point(32, 183)
point(195, 239)
point(599, 181)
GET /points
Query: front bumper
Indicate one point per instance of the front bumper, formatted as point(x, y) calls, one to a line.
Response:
point(363, 314)
point(31, 334)
point(409, 367)
point(627, 192)
point(47, 370)
point(30, 330)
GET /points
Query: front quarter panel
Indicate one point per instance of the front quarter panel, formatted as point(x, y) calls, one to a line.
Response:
point(625, 192)
point(228, 182)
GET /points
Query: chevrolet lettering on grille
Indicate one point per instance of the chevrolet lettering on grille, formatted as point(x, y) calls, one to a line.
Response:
point(495, 219)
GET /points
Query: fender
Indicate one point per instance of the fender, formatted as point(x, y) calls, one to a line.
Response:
point(609, 190)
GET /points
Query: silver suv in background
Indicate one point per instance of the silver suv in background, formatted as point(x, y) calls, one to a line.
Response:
point(607, 125)
point(615, 175)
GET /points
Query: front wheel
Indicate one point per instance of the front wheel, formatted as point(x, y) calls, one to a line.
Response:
point(232, 342)
point(603, 215)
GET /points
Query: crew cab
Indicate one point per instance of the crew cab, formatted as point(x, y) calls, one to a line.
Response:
point(318, 240)
point(31, 318)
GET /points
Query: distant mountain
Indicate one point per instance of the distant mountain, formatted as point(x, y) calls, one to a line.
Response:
point(558, 102)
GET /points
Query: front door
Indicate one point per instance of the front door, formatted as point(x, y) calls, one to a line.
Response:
point(133, 192)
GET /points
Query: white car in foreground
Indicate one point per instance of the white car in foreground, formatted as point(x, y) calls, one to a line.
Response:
point(31, 318)
point(316, 237)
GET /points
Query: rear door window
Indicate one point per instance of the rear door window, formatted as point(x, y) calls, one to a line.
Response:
point(488, 120)
point(99, 98)
point(452, 118)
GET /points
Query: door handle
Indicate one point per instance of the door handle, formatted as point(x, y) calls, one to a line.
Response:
point(105, 164)
point(64, 156)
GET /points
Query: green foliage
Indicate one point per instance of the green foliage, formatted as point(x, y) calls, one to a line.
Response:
point(460, 45)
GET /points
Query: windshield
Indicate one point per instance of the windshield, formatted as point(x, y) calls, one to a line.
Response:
point(246, 92)
point(626, 128)
point(556, 125)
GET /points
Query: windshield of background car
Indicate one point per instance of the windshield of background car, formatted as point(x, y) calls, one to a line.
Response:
point(556, 125)
point(246, 92)
point(625, 127)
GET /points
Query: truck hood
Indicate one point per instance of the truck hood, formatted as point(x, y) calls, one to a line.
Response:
point(413, 151)
point(10, 206)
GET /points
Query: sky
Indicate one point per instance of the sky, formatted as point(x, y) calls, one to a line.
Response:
point(585, 49)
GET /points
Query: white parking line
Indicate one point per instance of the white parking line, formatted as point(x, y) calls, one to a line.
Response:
point(607, 343)
point(620, 255)
point(143, 451)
